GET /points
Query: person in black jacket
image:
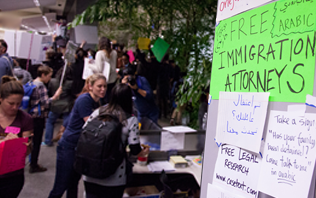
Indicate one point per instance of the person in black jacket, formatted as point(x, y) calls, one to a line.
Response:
point(77, 70)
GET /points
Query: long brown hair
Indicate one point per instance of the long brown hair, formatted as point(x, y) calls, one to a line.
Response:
point(121, 103)
point(105, 44)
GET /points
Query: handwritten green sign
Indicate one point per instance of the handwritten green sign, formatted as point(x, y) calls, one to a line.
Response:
point(160, 48)
point(267, 49)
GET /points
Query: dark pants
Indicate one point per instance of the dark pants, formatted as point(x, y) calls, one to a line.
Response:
point(10, 187)
point(66, 177)
point(163, 95)
point(107, 96)
point(39, 125)
point(98, 191)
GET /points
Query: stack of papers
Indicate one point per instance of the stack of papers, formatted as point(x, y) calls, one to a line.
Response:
point(179, 129)
point(159, 166)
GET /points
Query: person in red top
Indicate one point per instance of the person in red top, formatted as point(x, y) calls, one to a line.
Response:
point(11, 94)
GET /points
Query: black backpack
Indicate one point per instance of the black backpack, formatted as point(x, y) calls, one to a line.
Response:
point(100, 149)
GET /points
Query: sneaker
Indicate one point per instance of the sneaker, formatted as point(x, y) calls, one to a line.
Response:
point(48, 145)
point(37, 169)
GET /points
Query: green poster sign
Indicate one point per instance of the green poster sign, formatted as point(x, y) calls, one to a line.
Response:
point(160, 48)
point(267, 49)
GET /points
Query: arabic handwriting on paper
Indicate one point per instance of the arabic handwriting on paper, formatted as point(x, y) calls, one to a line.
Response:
point(242, 117)
point(289, 155)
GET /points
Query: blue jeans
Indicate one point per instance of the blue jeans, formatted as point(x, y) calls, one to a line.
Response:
point(50, 121)
point(66, 177)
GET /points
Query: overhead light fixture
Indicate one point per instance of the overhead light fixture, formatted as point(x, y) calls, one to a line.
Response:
point(37, 3)
point(24, 26)
point(47, 23)
point(28, 28)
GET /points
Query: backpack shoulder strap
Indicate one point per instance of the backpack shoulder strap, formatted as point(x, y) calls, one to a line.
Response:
point(10, 65)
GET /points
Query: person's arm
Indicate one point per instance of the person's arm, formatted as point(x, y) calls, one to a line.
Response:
point(44, 98)
point(10, 136)
point(133, 139)
point(114, 62)
point(86, 108)
point(139, 90)
point(146, 90)
point(28, 134)
point(83, 43)
point(86, 118)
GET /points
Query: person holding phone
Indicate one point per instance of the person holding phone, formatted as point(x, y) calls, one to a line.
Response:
point(14, 123)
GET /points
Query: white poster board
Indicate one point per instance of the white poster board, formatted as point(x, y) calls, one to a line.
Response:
point(172, 141)
point(229, 8)
point(89, 64)
point(9, 37)
point(241, 118)
point(23, 44)
point(289, 155)
point(237, 171)
point(86, 33)
point(45, 45)
point(87, 71)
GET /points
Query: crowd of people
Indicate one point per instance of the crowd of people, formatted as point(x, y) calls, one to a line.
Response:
point(132, 92)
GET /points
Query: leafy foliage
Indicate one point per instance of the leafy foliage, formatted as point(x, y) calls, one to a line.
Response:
point(188, 25)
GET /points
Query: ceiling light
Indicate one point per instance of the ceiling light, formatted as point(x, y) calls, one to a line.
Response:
point(36, 2)
point(46, 21)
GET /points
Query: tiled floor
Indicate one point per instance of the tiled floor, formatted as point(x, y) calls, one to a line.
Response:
point(38, 185)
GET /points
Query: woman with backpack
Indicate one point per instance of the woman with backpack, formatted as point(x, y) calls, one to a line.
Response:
point(120, 105)
point(15, 123)
point(66, 178)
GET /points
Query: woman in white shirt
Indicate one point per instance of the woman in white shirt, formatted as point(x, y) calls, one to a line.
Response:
point(106, 54)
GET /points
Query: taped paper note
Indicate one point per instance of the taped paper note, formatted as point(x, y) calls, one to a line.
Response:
point(228, 8)
point(172, 141)
point(241, 118)
point(179, 129)
point(310, 100)
point(289, 155)
point(299, 110)
point(237, 171)
point(267, 49)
